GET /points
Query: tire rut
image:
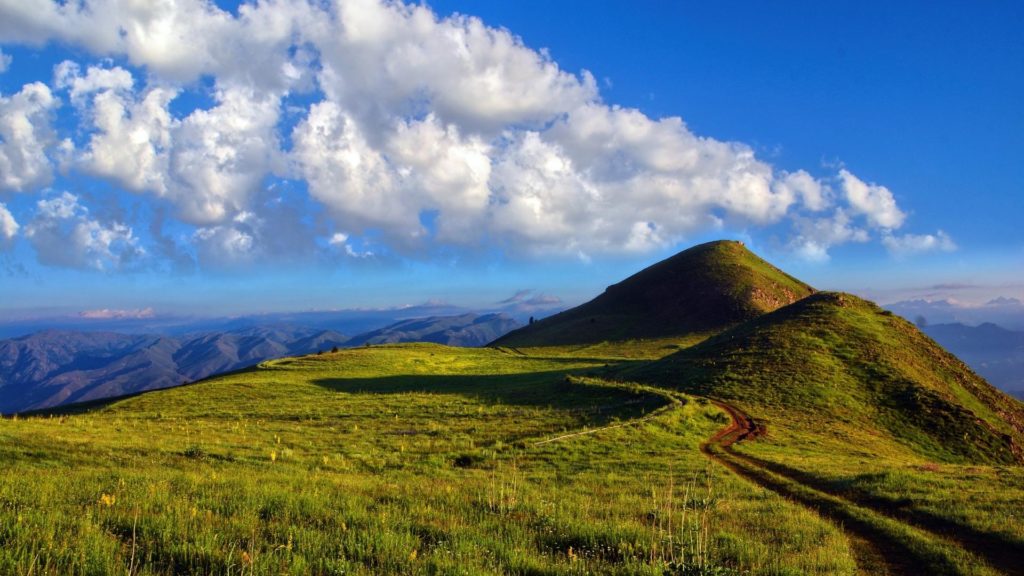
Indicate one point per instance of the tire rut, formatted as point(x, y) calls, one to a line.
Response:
point(875, 549)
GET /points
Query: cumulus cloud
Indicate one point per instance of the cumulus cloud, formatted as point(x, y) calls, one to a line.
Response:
point(5, 61)
point(8, 227)
point(132, 132)
point(274, 232)
point(908, 244)
point(67, 75)
point(26, 135)
point(64, 234)
point(219, 156)
point(816, 235)
point(872, 200)
point(416, 130)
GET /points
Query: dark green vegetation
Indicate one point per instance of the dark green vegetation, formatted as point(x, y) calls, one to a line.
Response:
point(875, 453)
point(697, 292)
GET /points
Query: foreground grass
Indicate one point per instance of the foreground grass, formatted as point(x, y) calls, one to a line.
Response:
point(413, 459)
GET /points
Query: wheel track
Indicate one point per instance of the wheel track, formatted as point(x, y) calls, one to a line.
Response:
point(876, 549)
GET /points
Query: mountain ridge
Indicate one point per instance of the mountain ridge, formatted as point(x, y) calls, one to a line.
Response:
point(57, 367)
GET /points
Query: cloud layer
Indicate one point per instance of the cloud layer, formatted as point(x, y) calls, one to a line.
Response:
point(407, 132)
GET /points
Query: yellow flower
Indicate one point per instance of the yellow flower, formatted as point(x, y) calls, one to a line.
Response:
point(413, 554)
point(107, 500)
point(273, 455)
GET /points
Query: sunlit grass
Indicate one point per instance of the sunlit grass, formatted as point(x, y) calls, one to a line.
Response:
point(398, 459)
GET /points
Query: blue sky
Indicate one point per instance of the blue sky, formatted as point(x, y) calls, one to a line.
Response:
point(288, 156)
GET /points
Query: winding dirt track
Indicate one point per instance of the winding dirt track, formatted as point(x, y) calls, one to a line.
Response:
point(876, 549)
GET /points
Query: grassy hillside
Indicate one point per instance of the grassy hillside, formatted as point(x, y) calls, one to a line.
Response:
point(408, 459)
point(862, 416)
point(695, 293)
point(837, 357)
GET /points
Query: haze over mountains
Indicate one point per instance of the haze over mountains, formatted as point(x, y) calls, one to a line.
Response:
point(57, 367)
point(992, 351)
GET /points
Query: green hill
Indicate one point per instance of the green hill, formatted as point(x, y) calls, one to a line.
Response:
point(702, 290)
point(846, 363)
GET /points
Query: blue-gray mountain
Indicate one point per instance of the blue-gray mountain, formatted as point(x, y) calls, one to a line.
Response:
point(58, 367)
point(462, 330)
point(995, 353)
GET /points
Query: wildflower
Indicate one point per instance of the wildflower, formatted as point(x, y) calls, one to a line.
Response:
point(273, 455)
point(413, 554)
point(107, 500)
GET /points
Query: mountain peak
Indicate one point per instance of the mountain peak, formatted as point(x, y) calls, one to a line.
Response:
point(701, 290)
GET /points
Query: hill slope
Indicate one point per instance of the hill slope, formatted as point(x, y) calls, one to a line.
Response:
point(702, 290)
point(844, 363)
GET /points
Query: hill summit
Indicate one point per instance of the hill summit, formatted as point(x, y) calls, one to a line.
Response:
point(702, 290)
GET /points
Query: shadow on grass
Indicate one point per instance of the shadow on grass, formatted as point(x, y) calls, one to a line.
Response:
point(547, 389)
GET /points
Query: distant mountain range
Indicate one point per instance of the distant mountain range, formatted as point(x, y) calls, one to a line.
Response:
point(994, 352)
point(462, 330)
point(57, 367)
point(1006, 312)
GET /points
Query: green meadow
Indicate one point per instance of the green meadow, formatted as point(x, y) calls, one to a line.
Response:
point(424, 459)
point(408, 459)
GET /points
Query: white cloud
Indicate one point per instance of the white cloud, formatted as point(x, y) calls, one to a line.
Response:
point(813, 194)
point(63, 233)
point(8, 227)
point(816, 235)
point(218, 157)
point(429, 131)
point(350, 176)
point(109, 314)
point(209, 164)
point(132, 132)
point(907, 244)
point(68, 75)
point(26, 135)
point(872, 200)
point(443, 171)
point(225, 245)
point(275, 232)
point(387, 58)
point(5, 61)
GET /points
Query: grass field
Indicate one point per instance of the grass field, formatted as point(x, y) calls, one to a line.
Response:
point(424, 459)
point(413, 459)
